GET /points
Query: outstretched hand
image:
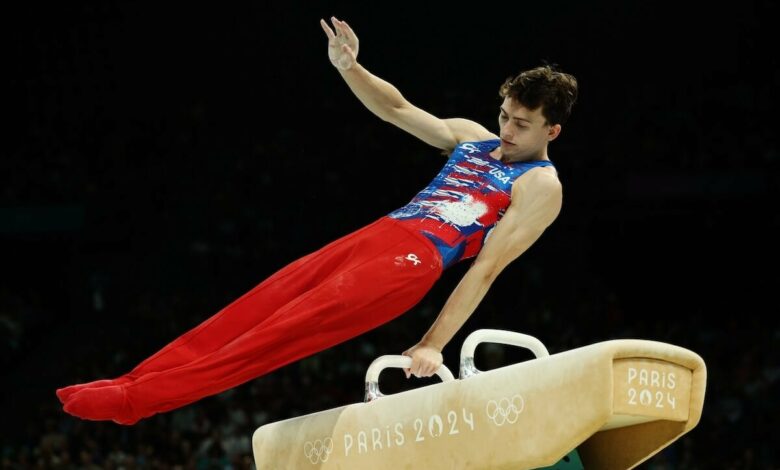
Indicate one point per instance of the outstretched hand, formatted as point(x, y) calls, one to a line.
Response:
point(342, 45)
point(426, 360)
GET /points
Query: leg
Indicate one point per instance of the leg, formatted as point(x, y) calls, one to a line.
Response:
point(373, 289)
point(241, 315)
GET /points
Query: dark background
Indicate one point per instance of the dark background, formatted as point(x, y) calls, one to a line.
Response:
point(161, 160)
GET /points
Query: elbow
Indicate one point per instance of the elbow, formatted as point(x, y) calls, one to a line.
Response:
point(393, 112)
point(486, 271)
point(388, 116)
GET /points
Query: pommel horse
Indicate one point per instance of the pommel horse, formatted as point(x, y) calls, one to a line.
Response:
point(608, 406)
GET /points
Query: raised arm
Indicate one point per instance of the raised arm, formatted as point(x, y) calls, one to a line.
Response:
point(384, 100)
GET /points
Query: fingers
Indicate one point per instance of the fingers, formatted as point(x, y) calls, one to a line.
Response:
point(422, 365)
point(348, 30)
point(343, 29)
point(407, 371)
point(420, 369)
point(329, 32)
point(415, 369)
point(338, 24)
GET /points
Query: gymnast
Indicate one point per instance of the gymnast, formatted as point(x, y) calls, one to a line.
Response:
point(493, 198)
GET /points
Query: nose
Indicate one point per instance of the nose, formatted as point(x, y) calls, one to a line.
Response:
point(506, 132)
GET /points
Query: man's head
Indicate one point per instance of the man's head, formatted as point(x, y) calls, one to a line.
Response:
point(536, 103)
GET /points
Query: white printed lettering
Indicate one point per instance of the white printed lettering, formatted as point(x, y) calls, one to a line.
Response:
point(654, 379)
point(470, 147)
point(399, 435)
point(347, 444)
point(362, 446)
point(631, 375)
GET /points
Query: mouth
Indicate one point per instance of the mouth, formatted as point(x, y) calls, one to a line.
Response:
point(506, 142)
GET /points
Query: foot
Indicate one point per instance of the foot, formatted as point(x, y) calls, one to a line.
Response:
point(66, 392)
point(100, 404)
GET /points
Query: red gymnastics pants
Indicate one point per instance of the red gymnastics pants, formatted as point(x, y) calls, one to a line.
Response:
point(346, 288)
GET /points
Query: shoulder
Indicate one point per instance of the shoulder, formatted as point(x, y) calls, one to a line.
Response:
point(543, 179)
point(539, 192)
point(480, 144)
point(465, 130)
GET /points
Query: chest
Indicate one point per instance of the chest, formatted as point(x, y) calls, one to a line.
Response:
point(479, 172)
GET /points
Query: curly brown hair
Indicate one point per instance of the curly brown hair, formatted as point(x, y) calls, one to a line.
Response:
point(545, 86)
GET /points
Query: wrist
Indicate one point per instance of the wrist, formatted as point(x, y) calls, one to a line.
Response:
point(430, 343)
point(352, 68)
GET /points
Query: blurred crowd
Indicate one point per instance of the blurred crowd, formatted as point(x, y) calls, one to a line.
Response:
point(741, 406)
point(169, 238)
point(166, 239)
point(184, 202)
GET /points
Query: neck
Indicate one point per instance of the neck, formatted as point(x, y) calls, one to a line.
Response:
point(497, 154)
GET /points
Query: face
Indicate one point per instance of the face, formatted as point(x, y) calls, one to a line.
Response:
point(524, 134)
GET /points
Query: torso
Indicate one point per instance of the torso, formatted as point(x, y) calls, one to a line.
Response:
point(467, 198)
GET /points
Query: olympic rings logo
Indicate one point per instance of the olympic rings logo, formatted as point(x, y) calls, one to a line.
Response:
point(505, 410)
point(319, 450)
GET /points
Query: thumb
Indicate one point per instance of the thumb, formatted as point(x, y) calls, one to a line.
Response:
point(348, 50)
point(407, 353)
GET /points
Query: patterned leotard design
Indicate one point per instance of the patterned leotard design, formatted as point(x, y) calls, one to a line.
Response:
point(463, 203)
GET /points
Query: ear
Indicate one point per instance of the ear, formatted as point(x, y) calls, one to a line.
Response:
point(553, 132)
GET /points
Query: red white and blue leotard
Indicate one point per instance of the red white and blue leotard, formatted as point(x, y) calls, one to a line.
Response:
point(463, 203)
